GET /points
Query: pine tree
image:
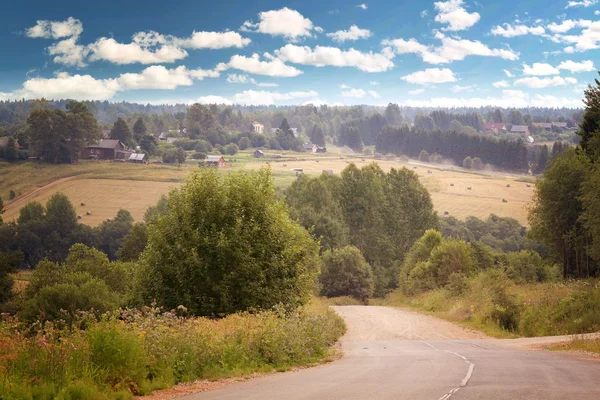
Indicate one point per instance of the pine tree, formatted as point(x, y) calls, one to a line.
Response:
point(120, 131)
point(139, 130)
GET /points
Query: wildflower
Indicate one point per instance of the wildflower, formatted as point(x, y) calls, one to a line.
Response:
point(43, 341)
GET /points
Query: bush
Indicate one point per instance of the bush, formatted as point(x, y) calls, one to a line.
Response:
point(228, 245)
point(419, 253)
point(367, 151)
point(344, 272)
point(502, 307)
point(404, 158)
point(477, 164)
point(199, 156)
point(12, 195)
point(204, 147)
point(174, 155)
point(244, 143)
point(231, 149)
point(528, 266)
point(436, 159)
point(467, 162)
point(450, 257)
point(424, 156)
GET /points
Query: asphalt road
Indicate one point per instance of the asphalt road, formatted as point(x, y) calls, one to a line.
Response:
point(398, 354)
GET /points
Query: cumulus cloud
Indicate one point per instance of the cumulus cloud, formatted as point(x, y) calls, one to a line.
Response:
point(501, 84)
point(55, 29)
point(540, 69)
point(509, 30)
point(588, 39)
point(450, 49)
point(566, 25)
point(430, 76)
point(572, 66)
point(213, 100)
point(584, 3)
point(212, 40)
point(539, 83)
point(354, 93)
point(240, 78)
point(364, 6)
point(159, 77)
point(69, 52)
point(108, 49)
point(507, 99)
point(508, 73)
point(332, 56)
point(285, 22)
point(354, 33)
point(254, 65)
point(453, 13)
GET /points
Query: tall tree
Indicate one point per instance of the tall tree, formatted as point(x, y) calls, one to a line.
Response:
point(589, 128)
point(393, 115)
point(542, 159)
point(139, 130)
point(120, 131)
point(317, 136)
point(199, 121)
point(10, 153)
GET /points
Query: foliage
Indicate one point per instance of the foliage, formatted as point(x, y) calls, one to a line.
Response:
point(136, 351)
point(477, 164)
point(467, 162)
point(10, 152)
point(56, 136)
point(244, 143)
point(110, 234)
point(173, 155)
point(344, 272)
point(424, 156)
point(589, 128)
point(133, 243)
point(227, 245)
point(528, 266)
point(120, 131)
point(8, 263)
point(139, 130)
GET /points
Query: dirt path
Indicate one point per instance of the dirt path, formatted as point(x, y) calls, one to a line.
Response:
point(386, 323)
point(23, 200)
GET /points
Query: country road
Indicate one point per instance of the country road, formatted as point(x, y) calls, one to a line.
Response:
point(398, 354)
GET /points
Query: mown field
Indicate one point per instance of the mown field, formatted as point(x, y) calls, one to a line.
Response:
point(106, 187)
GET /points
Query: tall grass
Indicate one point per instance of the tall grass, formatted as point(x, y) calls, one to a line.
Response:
point(132, 352)
point(501, 308)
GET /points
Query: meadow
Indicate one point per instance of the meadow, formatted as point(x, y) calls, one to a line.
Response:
point(106, 187)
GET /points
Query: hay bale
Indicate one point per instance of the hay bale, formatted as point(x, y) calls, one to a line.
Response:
point(82, 204)
point(79, 217)
point(470, 188)
point(107, 219)
point(452, 184)
point(528, 185)
point(429, 171)
point(508, 185)
point(285, 165)
point(504, 201)
point(446, 213)
point(88, 213)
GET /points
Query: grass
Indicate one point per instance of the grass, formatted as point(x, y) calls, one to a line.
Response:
point(145, 183)
point(579, 344)
point(134, 352)
point(542, 309)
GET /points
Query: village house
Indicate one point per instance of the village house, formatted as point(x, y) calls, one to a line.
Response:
point(522, 130)
point(213, 161)
point(310, 147)
point(106, 149)
point(258, 153)
point(163, 136)
point(494, 127)
point(257, 127)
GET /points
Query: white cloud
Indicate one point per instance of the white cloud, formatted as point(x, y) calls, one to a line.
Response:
point(508, 99)
point(374, 83)
point(354, 33)
point(213, 100)
point(212, 40)
point(416, 91)
point(108, 49)
point(588, 39)
point(597, 12)
point(453, 13)
point(344, 86)
point(267, 84)
point(583, 3)
point(508, 73)
point(566, 25)
point(364, 6)
point(466, 88)
point(332, 56)
point(450, 50)
point(509, 30)
point(374, 94)
point(253, 65)
point(540, 69)
point(68, 52)
point(539, 83)
point(262, 97)
point(240, 78)
point(430, 76)
point(159, 77)
point(65, 86)
point(424, 13)
point(583, 66)
point(55, 29)
point(354, 93)
point(501, 84)
point(285, 22)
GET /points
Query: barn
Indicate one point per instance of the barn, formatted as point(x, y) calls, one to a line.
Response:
point(213, 161)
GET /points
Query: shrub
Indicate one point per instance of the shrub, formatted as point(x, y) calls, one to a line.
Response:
point(527, 266)
point(420, 252)
point(477, 164)
point(244, 143)
point(404, 158)
point(436, 159)
point(367, 151)
point(199, 156)
point(232, 149)
point(467, 162)
point(174, 155)
point(424, 156)
point(450, 257)
point(502, 307)
point(227, 245)
point(344, 272)
point(12, 195)
point(204, 147)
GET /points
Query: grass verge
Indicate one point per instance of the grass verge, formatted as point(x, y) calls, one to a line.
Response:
point(133, 352)
point(579, 344)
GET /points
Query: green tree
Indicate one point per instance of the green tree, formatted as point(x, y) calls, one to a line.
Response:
point(542, 161)
point(133, 243)
point(557, 207)
point(589, 128)
point(467, 162)
point(393, 115)
point(11, 153)
point(199, 121)
point(477, 164)
point(111, 234)
point(8, 263)
point(31, 212)
point(120, 131)
point(344, 272)
point(148, 144)
point(317, 136)
point(351, 137)
point(139, 130)
point(227, 245)
point(424, 156)
point(243, 143)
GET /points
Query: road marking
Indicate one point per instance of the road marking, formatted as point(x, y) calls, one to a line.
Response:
point(465, 380)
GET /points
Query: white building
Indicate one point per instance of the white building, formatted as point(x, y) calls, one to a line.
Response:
point(257, 127)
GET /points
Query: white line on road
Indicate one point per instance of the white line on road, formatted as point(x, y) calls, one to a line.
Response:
point(465, 379)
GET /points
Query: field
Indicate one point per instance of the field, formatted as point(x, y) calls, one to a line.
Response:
point(106, 187)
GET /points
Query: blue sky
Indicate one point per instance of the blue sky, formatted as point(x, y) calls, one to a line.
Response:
point(421, 53)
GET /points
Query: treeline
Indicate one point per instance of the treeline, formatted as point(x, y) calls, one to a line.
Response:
point(501, 153)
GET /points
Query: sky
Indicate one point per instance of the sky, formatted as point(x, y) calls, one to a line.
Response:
point(451, 53)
